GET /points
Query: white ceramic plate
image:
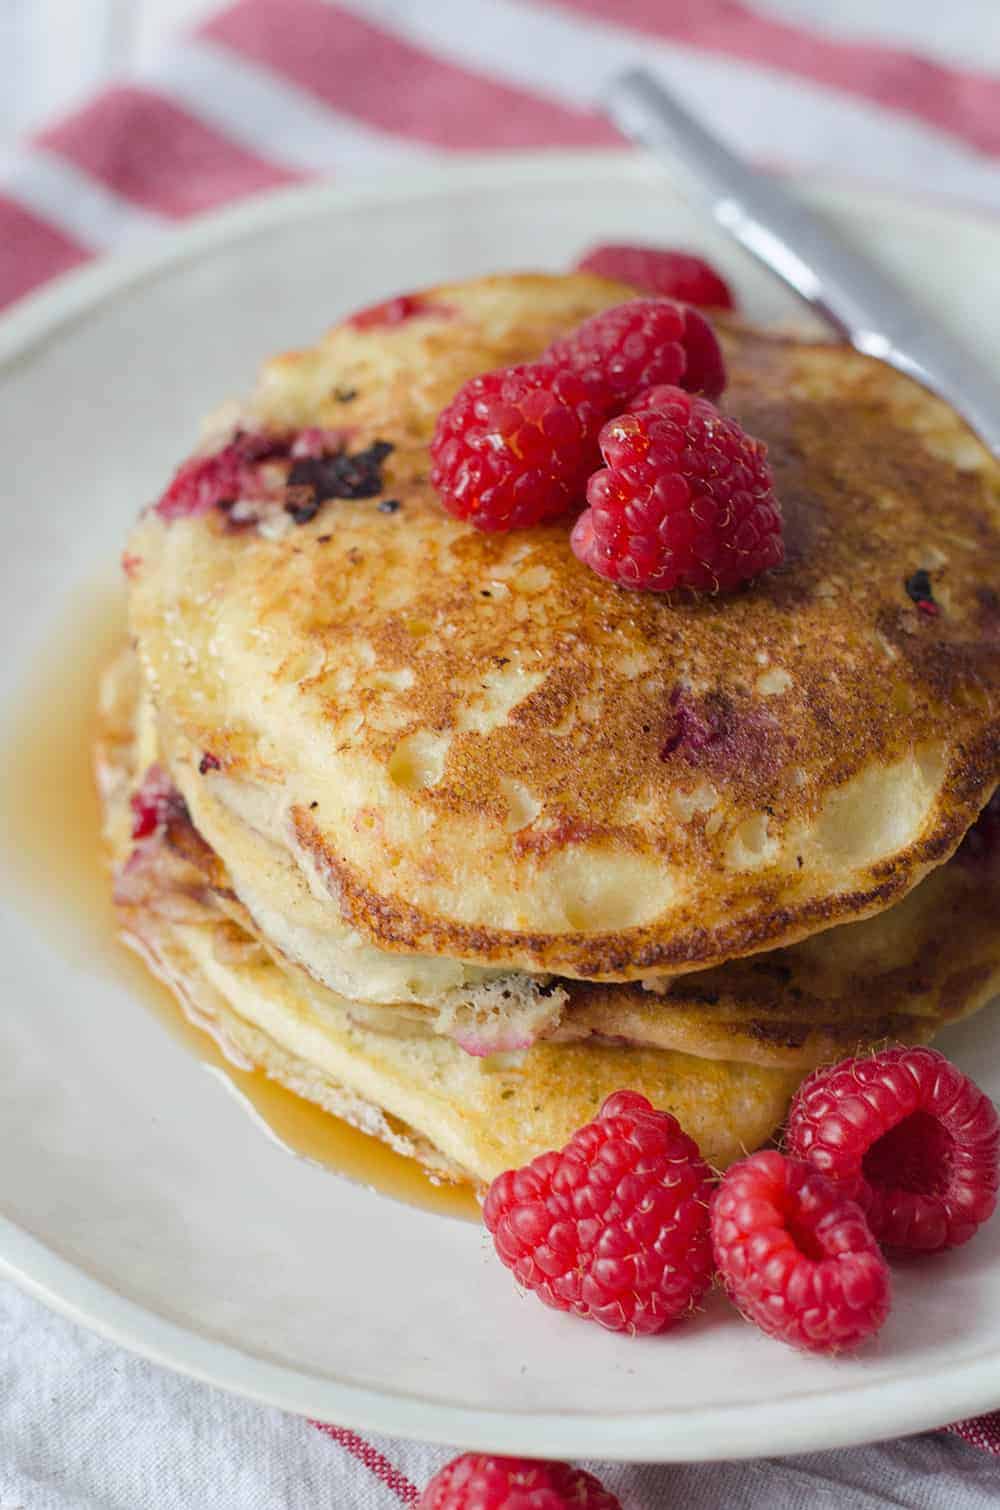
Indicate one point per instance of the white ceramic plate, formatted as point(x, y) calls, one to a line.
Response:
point(136, 1196)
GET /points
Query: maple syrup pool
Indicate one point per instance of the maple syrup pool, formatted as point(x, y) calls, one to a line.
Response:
point(57, 853)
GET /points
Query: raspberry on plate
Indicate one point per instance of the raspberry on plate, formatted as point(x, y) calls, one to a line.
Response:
point(796, 1255)
point(515, 447)
point(613, 1227)
point(686, 500)
point(477, 1482)
point(660, 270)
point(639, 344)
point(910, 1137)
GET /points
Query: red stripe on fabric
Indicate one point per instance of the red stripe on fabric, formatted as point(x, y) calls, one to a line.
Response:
point(959, 101)
point(157, 155)
point(363, 71)
point(31, 251)
point(982, 1432)
point(377, 1464)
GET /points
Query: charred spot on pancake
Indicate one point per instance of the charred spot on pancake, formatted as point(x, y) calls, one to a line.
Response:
point(920, 590)
point(389, 506)
point(918, 586)
point(301, 501)
point(312, 480)
point(345, 395)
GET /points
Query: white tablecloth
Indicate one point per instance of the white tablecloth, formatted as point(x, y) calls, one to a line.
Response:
point(84, 1426)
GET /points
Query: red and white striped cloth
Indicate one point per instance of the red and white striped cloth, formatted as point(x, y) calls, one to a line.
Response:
point(271, 92)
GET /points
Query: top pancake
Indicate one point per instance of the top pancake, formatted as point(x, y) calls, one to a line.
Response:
point(477, 748)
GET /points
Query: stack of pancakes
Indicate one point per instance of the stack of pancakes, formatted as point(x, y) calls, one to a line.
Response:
point(468, 837)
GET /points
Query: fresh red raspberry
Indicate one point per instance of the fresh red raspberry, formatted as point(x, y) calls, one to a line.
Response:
point(909, 1137)
point(705, 372)
point(796, 1255)
point(516, 446)
point(477, 1482)
point(686, 500)
point(637, 345)
point(206, 482)
point(658, 270)
point(613, 1227)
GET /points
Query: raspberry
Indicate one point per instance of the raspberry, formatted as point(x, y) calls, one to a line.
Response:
point(155, 804)
point(640, 344)
point(477, 1482)
point(657, 270)
point(705, 372)
point(206, 482)
point(201, 483)
point(396, 311)
point(686, 500)
point(796, 1255)
point(613, 1227)
point(516, 446)
point(908, 1136)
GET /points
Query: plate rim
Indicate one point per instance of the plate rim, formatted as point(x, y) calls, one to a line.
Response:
point(812, 1420)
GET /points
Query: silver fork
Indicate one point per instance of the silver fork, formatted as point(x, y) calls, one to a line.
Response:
point(860, 301)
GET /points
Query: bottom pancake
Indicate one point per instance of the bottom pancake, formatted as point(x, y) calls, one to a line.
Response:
point(463, 1118)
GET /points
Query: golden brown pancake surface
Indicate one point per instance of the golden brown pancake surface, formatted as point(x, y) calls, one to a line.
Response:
point(472, 747)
